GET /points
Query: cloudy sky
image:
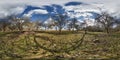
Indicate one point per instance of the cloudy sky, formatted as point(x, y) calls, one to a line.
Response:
point(14, 7)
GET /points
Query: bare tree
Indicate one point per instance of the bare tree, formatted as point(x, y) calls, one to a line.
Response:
point(4, 24)
point(60, 20)
point(117, 26)
point(17, 23)
point(38, 24)
point(106, 21)
point(73, 24)
point(49, 23)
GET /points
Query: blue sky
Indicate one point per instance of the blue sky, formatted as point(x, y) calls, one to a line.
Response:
point(42, 9)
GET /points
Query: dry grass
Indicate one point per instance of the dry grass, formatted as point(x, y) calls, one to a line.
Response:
point(96, 45)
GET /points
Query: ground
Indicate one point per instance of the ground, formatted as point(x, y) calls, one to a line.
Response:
point(52, 45)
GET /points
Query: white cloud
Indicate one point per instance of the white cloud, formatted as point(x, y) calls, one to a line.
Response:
point(36, 11)
point(39, 11)
point(17, 10)
point(82, 10)
point(3, 14)
point(6, 10)
point(8, 7)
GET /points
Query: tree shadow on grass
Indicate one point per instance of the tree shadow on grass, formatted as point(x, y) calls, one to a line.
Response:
point(59, 33)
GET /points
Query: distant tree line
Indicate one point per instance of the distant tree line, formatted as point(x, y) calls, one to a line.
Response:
point(104, 22)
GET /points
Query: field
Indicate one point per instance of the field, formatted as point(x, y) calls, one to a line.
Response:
point(51, 45)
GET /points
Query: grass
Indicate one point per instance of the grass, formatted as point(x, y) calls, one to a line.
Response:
point(96, 45)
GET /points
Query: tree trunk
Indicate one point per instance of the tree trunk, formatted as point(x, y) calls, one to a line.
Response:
point(107, 30)
point(60, 30)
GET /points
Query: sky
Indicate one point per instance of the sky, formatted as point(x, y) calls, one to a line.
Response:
point(15, 7)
